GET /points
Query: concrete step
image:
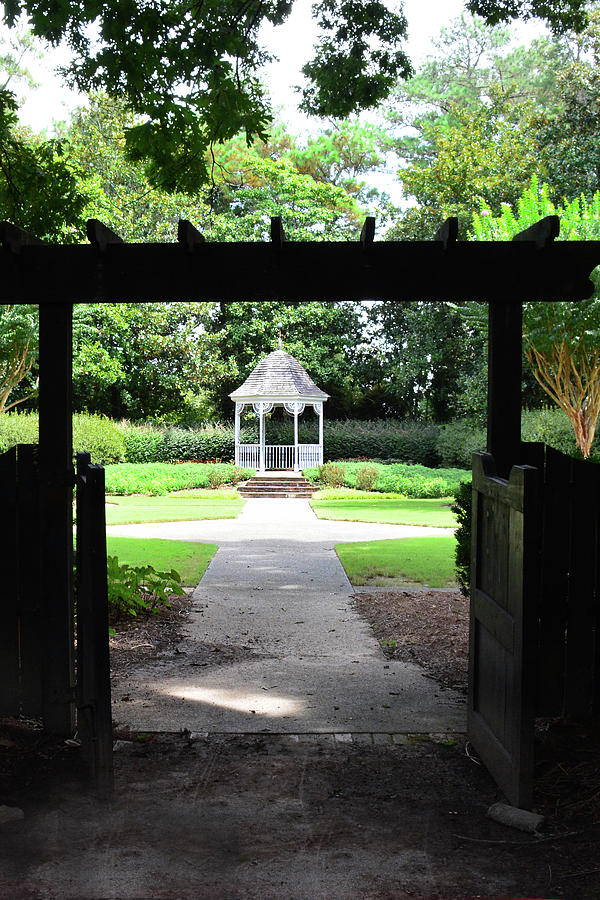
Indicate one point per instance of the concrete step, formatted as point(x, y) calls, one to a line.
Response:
point(299, 495)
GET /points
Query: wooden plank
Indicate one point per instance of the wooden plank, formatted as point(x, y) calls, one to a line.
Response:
point(541, 233)
point(28, 562)
point(9, 647)
point(57, 515)
point(392, 270)
point(502, 672)
point(505, 350)
point(582, 608)
point(554, 586)
point(93, 663)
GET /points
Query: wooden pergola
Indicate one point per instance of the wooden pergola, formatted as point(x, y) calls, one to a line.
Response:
point(532, 267)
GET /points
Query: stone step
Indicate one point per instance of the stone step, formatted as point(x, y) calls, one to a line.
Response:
point(299, 495)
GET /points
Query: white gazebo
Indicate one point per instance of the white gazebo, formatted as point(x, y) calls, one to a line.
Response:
point(278, 380)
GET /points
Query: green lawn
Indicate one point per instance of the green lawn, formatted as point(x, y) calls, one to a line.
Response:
point(182, 506)
point(188, 558)
point(422, 560)
point(435, 513)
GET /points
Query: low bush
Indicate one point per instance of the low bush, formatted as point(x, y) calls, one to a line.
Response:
point(332, 474)
point(367, 477)
point(458, 441)
point(138, 589)
point(99, 436)
point(399, 478)
point(161, 478)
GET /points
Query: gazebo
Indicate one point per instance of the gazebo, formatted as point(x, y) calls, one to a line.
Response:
point(278, 380)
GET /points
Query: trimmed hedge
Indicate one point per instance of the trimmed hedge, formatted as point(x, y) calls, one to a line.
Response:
point(161, 478)
point(97, 435)
point(401, 478)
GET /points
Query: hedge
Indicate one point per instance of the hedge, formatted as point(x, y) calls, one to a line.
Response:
point(99, 436)
point(401, 478)
point(387, 440)
point(161, 478)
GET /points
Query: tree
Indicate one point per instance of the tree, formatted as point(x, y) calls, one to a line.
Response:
point(464, 125)
point(569, 136)
point(137, 360)
point(18, 353)
point(192, 71)
point(423, 353)
point(322, 336)
point(561, 340)
point(484, 157)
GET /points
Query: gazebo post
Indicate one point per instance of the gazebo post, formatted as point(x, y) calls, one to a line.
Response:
point(237, 433)
point(296, 460)
point(261, 436)
point(320, 410)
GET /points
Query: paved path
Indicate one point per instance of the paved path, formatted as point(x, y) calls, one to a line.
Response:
point(298, 658)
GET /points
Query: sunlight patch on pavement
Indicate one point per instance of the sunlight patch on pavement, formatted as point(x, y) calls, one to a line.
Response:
point(259, 704)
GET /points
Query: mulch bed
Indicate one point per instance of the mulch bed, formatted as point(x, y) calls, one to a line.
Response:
point(427, 627)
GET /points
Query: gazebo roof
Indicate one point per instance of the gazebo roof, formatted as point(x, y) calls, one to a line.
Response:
point(279, 376)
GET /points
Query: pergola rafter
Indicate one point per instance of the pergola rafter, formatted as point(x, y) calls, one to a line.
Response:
point(531, 267)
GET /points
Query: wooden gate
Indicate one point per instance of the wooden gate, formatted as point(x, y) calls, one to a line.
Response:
point(24, 649)
point(503, 632)
point(21, 644)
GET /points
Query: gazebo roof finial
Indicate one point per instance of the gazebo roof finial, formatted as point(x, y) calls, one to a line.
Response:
point(279, 338)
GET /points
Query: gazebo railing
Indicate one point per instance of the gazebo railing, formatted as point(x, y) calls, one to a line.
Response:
point(278, 456)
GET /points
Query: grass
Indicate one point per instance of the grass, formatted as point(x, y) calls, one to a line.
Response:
point(423, 561)
point(188, 558)
point(371, 508)
point(182, 506)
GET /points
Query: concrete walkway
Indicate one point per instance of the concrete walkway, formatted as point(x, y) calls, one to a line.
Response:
point(275, 602)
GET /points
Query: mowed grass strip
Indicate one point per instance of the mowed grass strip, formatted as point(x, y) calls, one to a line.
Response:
point(186, 506)
point(435, 513)
point(422, 561)
point(188, 558)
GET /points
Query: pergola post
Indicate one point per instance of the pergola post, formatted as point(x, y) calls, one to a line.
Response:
point(505, 348)
point(296, 460)
point(261, 436)
point(237, 433)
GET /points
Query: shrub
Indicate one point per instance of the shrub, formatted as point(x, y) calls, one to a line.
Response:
point(18, 428)
point(97, 435)
point(367, 477)
point(458, 441)
point(332, 474)
point(100, 437)
point(138, 589)
point(462, 509)
point(551, 426)
point(399, 478)
point(161, 478)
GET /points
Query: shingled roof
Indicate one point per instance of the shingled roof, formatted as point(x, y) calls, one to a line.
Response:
point(276, 376)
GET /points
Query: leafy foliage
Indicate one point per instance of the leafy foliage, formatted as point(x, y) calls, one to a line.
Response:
point(398, 478)
point(161, 478)
point(462, 508)
point(561, 340)
point(134, 590)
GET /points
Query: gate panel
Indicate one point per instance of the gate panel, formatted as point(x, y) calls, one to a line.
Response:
point(502, 655)
point(9, 633)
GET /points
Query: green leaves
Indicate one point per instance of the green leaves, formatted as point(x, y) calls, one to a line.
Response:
point(138, 589)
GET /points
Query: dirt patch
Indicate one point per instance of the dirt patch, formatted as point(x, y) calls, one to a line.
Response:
point(428, 627)
point(253, 816)
point(141, 642)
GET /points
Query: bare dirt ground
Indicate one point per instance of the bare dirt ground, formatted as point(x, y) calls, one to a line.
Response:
point(244, 816)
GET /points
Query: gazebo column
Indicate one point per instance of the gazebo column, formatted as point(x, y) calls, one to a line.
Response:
point(238, 410)
point(261, 436)
point(320, 411)
point(296, 454)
